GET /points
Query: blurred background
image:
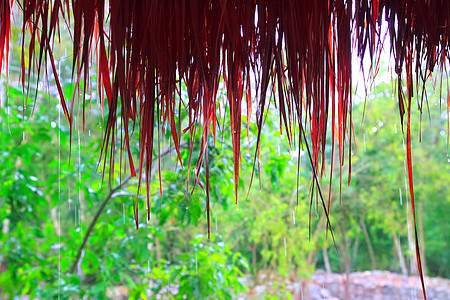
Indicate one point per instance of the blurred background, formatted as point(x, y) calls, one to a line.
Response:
point(67, 230)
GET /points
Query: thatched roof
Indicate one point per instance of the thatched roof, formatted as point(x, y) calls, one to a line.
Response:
point(298, 50)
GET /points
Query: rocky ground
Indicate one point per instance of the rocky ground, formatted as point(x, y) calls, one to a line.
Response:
point(371, 285)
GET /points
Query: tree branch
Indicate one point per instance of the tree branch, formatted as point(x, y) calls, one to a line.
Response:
point(102, 207)
point(96, 217)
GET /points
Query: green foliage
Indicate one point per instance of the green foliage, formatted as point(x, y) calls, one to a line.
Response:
point(208, 271)
point(378, 175)
point(278, 290)
point(45, 192)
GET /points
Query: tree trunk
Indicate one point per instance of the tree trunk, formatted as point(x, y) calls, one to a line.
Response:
point(412, 248)
point(54, 215)
point(355, 251)
point(398, 250)
point(347, 272)
point(326, 260)
point(369, 243)
point(314, 237)
point(347, 267)
point(158, 251)
point(422, 238)
point(254, 258)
